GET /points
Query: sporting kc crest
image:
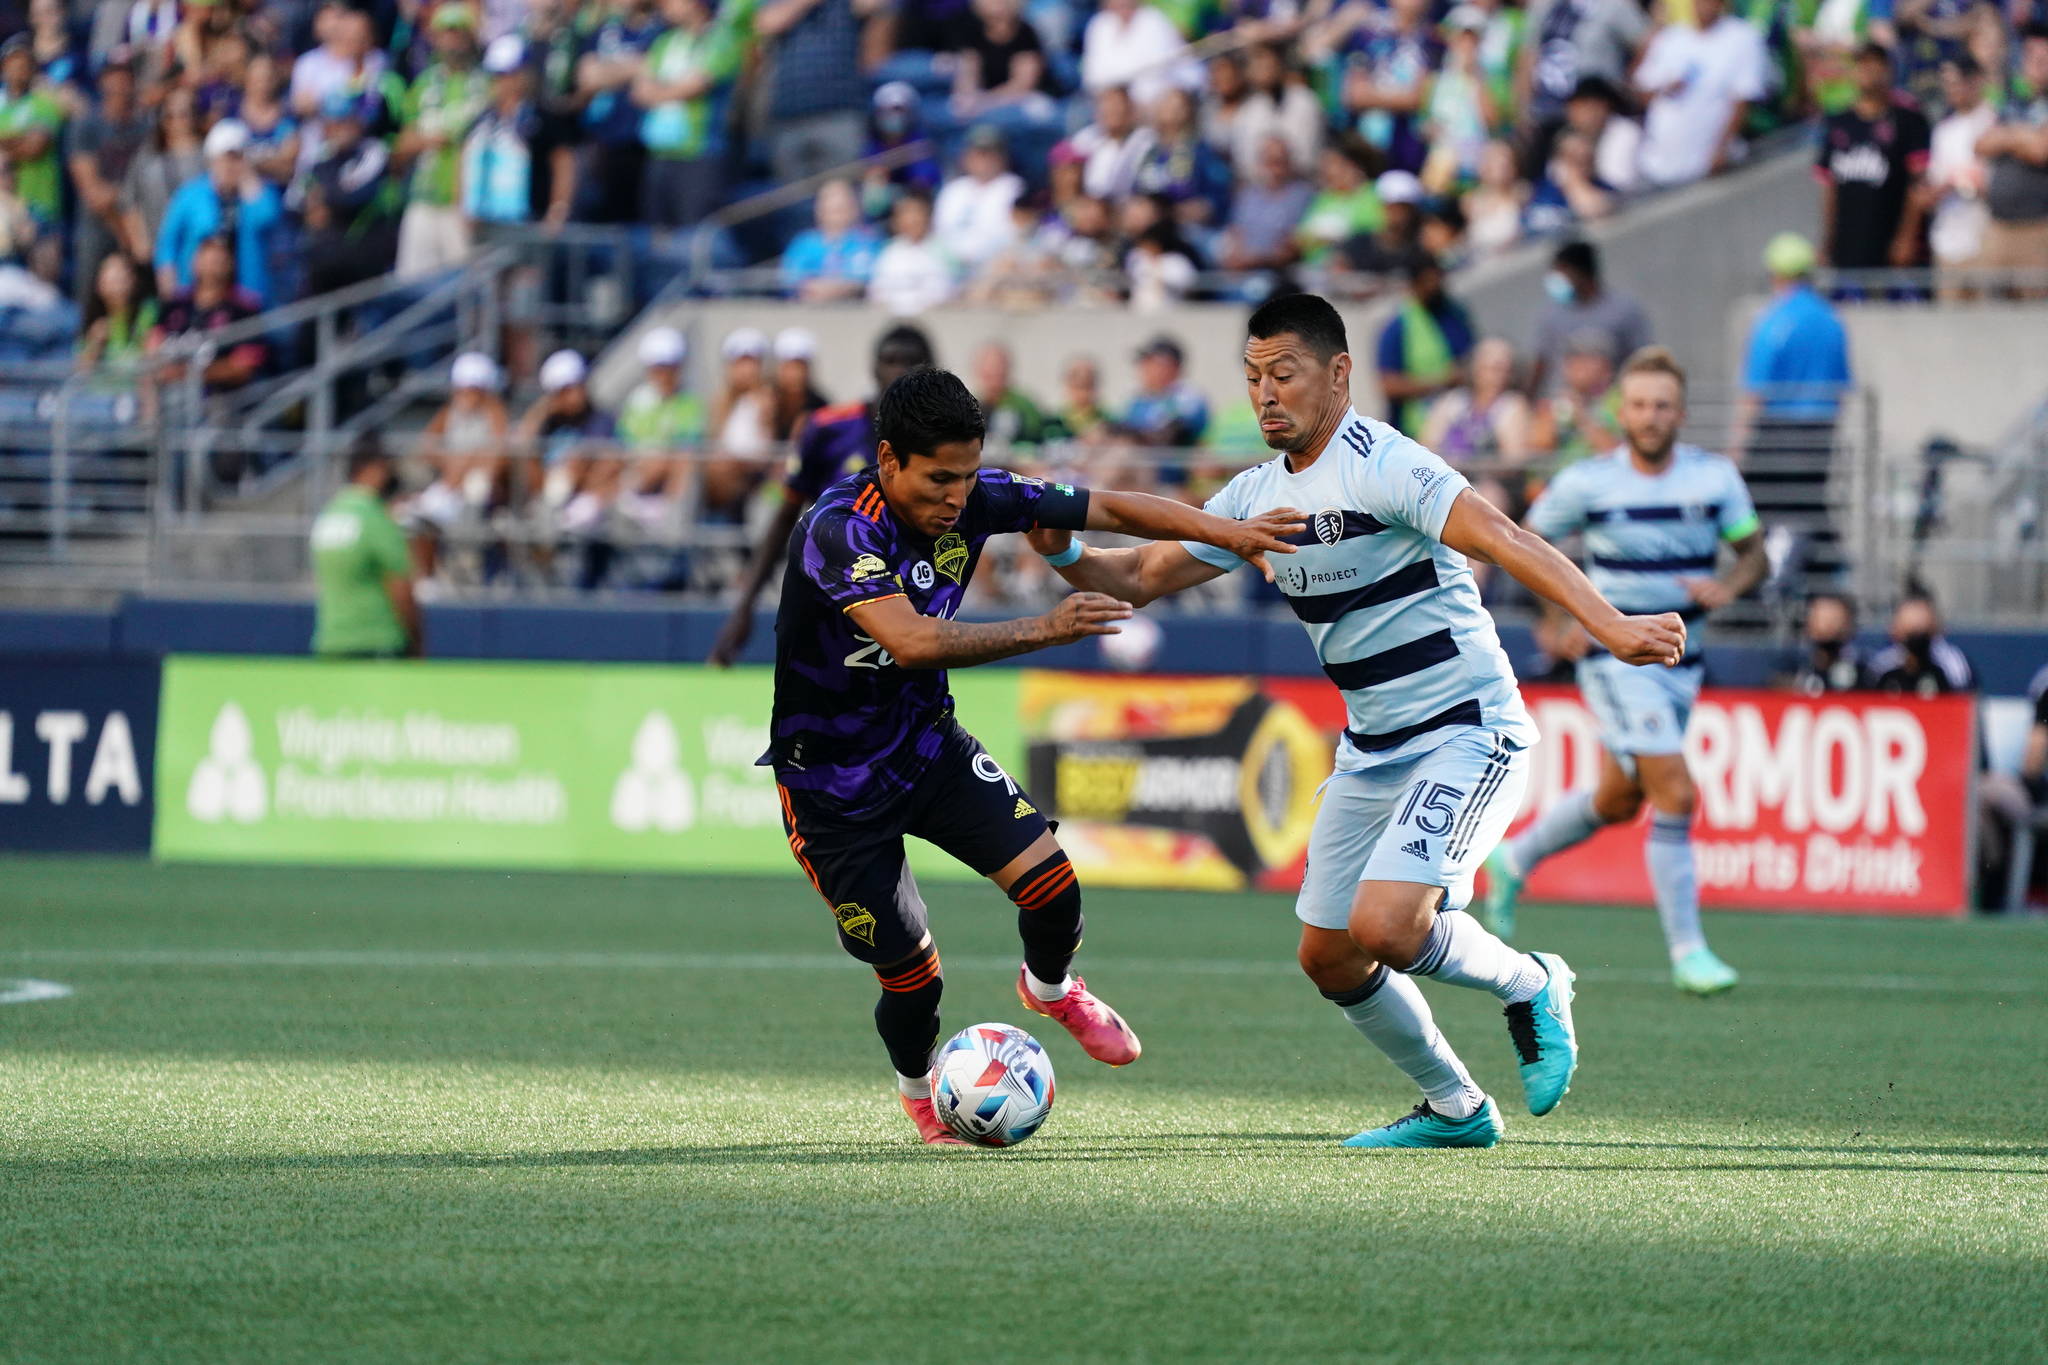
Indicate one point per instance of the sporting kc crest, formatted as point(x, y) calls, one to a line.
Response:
point(1329, 525)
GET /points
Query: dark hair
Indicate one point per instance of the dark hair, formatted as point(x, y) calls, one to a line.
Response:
point(145, 289)
point(1581, 256)
point(2036, 29)
point(1308, 316)
point(903, 336)
point(926, 409)
point(367, 450)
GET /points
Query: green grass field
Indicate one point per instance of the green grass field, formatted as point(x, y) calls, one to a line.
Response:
point(380, 1116)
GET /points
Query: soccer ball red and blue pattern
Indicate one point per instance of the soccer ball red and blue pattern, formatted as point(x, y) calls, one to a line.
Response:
point(992, 1085)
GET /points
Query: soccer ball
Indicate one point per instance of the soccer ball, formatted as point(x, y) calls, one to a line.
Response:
point(992, 1085)
point(1134, 646)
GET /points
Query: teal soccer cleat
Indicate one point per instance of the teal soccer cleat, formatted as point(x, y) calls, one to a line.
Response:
point(1545, 1044)
point(1699, 972)
point(1422, 1126)
point(1503, 889)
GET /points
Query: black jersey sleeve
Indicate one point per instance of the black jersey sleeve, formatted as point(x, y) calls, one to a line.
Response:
point(1016, 502)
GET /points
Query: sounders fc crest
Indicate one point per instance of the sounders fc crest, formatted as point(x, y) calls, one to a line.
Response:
point(855, 922)
point(1329, 526)
point(949, 555)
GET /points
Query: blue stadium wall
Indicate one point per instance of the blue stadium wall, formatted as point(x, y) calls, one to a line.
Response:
point(144, 626)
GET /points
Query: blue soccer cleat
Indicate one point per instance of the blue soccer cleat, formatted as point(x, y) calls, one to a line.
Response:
point(1503, 888)
point(1700, 972)
point(1546, 1047)
point(1422, 1126)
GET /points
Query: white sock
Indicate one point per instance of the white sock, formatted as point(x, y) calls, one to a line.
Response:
point(1674, 880)
point(914, 1087)
point(1390, 1011)
point(1460, 951)
point(1057, 991)
point(1570, 821)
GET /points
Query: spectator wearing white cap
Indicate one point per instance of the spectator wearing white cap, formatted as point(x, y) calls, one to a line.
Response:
point(742, 412)
point(228, 197)
point(661, 426)
point(518, 159)
point(913, 272)
point(1385, 249)
point(570, 437)
point(465, 445)
point(796, 392)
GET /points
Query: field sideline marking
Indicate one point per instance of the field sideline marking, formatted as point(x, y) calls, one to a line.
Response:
point(24, 991)
point(723, 962)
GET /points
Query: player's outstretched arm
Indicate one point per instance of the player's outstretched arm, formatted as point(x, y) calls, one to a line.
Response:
point(732, 637)
point(915, 640)
point(1136, 574)
point(1155, 518)
point(1479, 529)
point(1752, 566)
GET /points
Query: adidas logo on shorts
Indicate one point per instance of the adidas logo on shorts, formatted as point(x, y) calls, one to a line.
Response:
point(1417, 848)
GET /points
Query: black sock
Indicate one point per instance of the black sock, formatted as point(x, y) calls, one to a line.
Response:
point(1048, 901)
point(907, 1015)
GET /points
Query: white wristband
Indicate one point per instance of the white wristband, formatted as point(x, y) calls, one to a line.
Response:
point(1075, 549)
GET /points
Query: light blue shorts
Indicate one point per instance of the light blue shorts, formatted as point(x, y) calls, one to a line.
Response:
point(1432, 819)
point(1641, 708)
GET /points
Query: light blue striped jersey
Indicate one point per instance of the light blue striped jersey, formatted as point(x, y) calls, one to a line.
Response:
point(1392, 611)
point(1645, 534)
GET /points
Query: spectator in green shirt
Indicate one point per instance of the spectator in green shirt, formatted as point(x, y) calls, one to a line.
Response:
point(30, 120)
point(684, 86)
point(361, 568)
point(1345, 206)
point(1015, 423)
point(661, 426)
point(436, 113)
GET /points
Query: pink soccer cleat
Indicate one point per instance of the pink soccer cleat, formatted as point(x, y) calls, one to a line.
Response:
point(931, 1129)
point(1100, 1030)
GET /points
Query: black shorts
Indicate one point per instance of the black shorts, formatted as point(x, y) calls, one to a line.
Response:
point(964, 803)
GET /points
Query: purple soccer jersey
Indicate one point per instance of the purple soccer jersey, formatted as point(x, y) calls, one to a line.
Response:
point(835, 442)
point(849, 724)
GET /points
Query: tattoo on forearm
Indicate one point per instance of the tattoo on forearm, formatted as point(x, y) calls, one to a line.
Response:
point(960, 644)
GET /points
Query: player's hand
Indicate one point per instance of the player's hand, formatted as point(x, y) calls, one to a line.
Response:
point(732, 639)
point(1645, 639)
point(1083, 614)
point(1252, 540)
point(1047, 541)
point(1710, 593)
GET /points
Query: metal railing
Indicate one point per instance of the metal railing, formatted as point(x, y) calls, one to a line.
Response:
point(1828, 499)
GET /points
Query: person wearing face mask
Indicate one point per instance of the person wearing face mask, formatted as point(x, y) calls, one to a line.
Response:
point(1827, 658)
point(1920, 661)
point(365, 608)
point(1580, 302)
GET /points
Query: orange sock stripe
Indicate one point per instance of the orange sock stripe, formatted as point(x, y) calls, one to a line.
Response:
point(909, 981)
point(1050, 893)
point(1022, 893)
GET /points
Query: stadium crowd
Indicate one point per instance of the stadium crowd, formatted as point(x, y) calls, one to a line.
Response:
point(1042, 151)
